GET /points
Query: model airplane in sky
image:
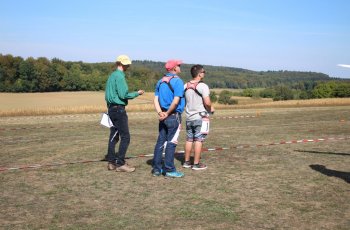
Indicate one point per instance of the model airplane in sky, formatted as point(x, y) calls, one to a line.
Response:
point(343, 65)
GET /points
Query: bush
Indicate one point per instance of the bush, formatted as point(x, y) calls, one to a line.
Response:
point(247, 92)
point(305, 95)
point(225, 98)
point(268, 93)
point(213, 97)
point(283, 93)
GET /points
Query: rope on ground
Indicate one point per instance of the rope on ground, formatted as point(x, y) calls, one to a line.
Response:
point(35, 166)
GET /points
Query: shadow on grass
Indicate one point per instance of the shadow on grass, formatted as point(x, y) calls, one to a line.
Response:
point(318, 152)
point(330, 172)
point(178, 156)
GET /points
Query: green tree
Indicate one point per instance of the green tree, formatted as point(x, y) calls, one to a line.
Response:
point(72, 82)
point(9, 73)
point(342, 89)
point(324, 90)
point(283, 93)
point(42, 66)
point(27, 75)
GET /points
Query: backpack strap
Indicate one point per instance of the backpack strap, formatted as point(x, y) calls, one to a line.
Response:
point(167, 80)
point(193, 86)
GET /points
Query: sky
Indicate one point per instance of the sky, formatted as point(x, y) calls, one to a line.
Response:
point(259, 35)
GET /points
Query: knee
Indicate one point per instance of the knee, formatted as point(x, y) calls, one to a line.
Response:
point(125, 137)
point(170, 145)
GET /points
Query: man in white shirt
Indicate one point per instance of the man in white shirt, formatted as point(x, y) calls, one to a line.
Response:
point(198, 107)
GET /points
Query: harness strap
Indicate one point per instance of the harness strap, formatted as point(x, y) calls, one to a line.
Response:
point(167, 80)
point(193, 86)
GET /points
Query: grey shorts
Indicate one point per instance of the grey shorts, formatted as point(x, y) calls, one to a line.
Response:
point(193, 131)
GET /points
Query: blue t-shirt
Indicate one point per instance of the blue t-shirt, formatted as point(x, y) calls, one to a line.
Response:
point(166, 96)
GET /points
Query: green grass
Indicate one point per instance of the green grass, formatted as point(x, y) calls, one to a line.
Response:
point(272, 187)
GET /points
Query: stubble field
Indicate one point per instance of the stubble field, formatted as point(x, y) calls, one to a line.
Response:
point(250, 185)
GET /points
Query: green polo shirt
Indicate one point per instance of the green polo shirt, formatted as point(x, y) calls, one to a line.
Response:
point(117, 89)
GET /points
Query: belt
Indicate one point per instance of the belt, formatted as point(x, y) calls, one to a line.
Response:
point(116, 106)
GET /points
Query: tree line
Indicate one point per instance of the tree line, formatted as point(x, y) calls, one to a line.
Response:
point(43, 75)
point(321, 89)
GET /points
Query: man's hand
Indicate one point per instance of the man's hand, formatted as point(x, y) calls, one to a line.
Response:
point(212, 110)
point(162, 116)
point(140, 92)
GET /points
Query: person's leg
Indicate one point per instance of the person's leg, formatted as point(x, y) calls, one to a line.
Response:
point(188, 149)
point(173, 125)
point(198, 143)
point(158, 149)
point(197, 152)
point(188, 144)
point(113, 139)
point(123, 128)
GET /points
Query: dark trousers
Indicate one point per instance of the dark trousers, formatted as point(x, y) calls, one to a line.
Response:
point(121, 129)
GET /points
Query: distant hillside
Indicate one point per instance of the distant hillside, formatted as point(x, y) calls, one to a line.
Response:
point(229, 77)
point(43, 75)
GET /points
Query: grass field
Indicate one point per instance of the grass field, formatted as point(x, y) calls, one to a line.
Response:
point(287, 186)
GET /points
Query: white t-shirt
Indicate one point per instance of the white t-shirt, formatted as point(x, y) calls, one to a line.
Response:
point(194, 102)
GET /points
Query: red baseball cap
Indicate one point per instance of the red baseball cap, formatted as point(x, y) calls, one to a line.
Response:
point(172, 63)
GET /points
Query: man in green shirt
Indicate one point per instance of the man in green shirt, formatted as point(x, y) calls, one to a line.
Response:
point(117, 95)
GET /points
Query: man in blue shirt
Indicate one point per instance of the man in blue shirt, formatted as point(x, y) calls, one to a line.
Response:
point(169, 104)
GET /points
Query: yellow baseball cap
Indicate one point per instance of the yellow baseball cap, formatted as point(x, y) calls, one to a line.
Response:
point(125, 60)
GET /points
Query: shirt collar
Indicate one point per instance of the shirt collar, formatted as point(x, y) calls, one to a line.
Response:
point(170, 74)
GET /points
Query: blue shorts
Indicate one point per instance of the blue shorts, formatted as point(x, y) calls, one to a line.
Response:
point(193, 131)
